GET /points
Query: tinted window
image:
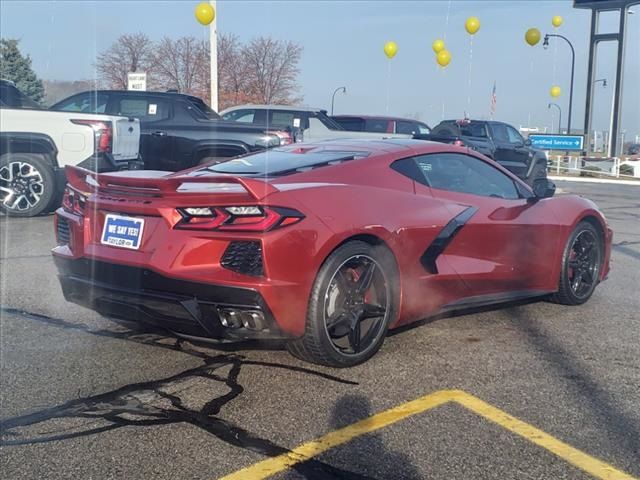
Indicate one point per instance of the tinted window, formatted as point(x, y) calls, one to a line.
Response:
point(351, 124)
point(500, 133)
point(281, 162)
point(514, 136)
point(474, 129)
point(244, 116)
point(202, 108)
point(409, 128)
point(88, 102)
point(463, 173)
point(377, 125)
point(14, 98)
point(146, 109)
point(446, 129)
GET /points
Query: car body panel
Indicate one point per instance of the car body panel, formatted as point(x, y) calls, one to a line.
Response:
point(501, 249)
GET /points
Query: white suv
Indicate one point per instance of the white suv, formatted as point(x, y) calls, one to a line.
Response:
point(36, 145)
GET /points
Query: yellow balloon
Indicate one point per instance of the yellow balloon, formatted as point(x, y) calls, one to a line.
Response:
point(390, 49)
point(438, 46)
point(205, 13)
point(556, 21)
point(472, 25)
point(532, 36)
point(555, 91)
point(443, 58)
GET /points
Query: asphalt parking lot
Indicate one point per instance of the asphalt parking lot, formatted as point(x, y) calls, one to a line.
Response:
point(529, 391)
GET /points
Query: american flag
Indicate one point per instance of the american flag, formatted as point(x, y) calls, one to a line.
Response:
point(494, 100)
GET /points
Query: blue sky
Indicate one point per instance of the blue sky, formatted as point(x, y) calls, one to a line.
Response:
point(343, 47)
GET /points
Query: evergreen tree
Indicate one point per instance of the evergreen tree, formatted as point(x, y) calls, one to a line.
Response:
point(17, 68)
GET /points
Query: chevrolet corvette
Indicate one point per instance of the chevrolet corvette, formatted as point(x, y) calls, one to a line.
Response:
point(326, 246)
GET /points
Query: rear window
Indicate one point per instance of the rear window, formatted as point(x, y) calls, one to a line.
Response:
point(351, 124)
point(474, 129)
point(277, 162)
point(202, 108)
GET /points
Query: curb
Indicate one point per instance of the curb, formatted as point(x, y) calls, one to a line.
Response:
point(594, 180)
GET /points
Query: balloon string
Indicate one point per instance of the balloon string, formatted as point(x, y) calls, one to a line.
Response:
point(555, 56)
point(443, 81)
point(470, 73)
point(446, 22)
point(531, 68)
point(388, 83)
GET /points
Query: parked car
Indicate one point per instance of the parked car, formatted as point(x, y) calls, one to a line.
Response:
point(497, 140)
point(309, 124)
point(178, 131)
point(634, 149)
point(367, 123)
point(297, 244)
point(36, 145)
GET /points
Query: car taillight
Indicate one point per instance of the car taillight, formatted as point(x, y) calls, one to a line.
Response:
point(73, 201)
point(103, 132)
point(249, 218)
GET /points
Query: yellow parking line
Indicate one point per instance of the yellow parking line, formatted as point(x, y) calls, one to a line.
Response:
point(307, 451)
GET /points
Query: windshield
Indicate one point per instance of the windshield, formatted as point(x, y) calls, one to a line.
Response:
point(11, 97)
point(202, 108)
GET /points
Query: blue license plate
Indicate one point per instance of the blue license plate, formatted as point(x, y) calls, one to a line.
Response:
point(120, 231)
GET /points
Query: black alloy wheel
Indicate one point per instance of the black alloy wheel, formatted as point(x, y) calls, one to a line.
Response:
point(353, 302)
point(581, 264)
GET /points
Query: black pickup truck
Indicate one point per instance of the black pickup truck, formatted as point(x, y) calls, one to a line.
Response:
point(177, 131)
point(496, 140)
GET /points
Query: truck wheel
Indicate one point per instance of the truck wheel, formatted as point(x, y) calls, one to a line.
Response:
point(27, 185)
point(539, 171)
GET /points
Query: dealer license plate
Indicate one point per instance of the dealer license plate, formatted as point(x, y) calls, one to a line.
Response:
point(121, 231)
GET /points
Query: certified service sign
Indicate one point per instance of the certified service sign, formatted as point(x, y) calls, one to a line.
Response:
point(557, 142)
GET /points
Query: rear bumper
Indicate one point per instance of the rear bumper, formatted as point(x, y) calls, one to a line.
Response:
point(141, 295)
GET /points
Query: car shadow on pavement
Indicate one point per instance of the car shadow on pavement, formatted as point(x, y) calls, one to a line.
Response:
point(159, 402)
point(616, 425)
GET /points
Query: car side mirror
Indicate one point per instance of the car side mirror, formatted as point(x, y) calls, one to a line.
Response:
point(527, 142)
point(543, 188)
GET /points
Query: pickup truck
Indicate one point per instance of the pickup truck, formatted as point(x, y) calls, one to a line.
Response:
point(307, 123)
point(178, 131)
point(497, 140)
point(36, 145)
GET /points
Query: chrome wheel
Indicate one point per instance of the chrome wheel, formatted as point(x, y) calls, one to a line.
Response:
point(21, 186)
point(356, 305)
point(583, 264)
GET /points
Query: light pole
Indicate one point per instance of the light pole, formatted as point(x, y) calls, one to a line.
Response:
point(559, 115)
point(545, 44)
point(333, 97)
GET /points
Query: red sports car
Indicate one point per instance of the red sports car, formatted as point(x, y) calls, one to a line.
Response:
point(325, 245)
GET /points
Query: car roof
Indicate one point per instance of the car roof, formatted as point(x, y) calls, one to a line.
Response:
point(274, 107)
point(379, 117)
point(136, 93)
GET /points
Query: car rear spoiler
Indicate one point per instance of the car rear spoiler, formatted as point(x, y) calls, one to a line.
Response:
point(87, 181)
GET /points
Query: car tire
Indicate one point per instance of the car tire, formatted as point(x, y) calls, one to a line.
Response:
point(539, 171)
point(27, 185)
point(581, 264)
point(366, 315)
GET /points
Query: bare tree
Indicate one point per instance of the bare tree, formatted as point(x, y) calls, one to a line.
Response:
point(232, 72)
point(272, 70)
point(183, 65)
point(130, 53)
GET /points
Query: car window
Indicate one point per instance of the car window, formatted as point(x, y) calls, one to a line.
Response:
point(466, 174)
point(500, 133)
point(202, 108)
point(408, 128)
point(446, 129)
point(243, 115)
point(14, 98)
point(283, 118)
point(352, 124)
point(145, 109)
point(474, 129)
point(376, 125)
point(514, 136)
point(88, 102)
point(423, 128)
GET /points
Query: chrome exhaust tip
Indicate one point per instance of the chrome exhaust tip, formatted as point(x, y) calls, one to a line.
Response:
point(252, 320)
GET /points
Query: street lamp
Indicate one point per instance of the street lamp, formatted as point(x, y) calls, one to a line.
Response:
point(559, 115)
point(333, 97)
point(545, 44)
point(603, 80)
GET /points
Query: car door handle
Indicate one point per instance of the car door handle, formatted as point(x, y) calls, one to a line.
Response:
point(159, 134)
